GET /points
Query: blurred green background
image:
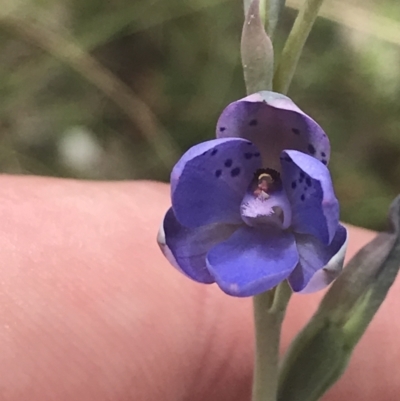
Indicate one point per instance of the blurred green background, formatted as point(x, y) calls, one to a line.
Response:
point(118, 89)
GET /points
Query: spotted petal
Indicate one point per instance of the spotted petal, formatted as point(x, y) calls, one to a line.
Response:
point(273, 123)
point(186, 248)
point(210, 180)
point(319, 264)
point(253, 260)
point(308, 185)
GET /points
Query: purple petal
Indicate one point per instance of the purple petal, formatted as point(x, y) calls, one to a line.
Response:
point(209, 181)
point(308, 185)
point(186, 248)
point(273, 123)
point(253, 260)
point(319, 264)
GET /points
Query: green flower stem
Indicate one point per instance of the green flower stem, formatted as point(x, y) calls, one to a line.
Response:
point(265, 6)
point(269, 311)
point(294, 44)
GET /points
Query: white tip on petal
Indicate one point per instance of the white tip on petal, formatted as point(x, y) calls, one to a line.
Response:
point(328, 273)
point(162, 243)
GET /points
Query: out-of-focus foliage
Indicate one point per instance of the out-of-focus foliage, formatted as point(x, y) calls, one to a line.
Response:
point(118, 89)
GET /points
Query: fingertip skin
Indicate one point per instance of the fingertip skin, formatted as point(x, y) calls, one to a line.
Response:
point(91, 310)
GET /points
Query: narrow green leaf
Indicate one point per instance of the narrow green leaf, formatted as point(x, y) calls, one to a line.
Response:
point(316, 360)
point(320, 353)
point(357, 294)
point(257, 52)
point(294, 45)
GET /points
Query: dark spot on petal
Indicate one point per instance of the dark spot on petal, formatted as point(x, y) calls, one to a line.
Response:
point(214, 152)
point(308, 181)
point(302, 197)
point(294, 184)
point(305, 188)
point(302, 175)
point(253, 122)
point(248, 155)
point(235, 172)
point(204, 153)
point(311, 149)
point(222, 129)
point(228, 162)
point(301, 180)
point(324, 162)
point(323, 154)
point(249, 143)
point(257, 154)
point(296, 131)
point(218, 173)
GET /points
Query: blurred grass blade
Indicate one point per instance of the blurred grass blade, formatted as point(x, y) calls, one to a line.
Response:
point(64, 48)
point(294, 45)
point(256, 51)
point(357, 18)
point(320, 353)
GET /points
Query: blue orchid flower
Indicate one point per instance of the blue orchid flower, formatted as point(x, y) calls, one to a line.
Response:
point(256, 206)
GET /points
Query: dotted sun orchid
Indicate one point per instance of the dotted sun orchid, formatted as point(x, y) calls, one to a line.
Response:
point(256, 206)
